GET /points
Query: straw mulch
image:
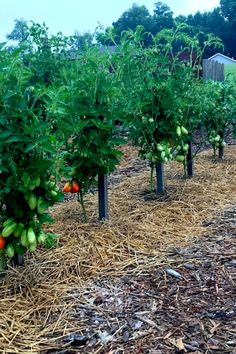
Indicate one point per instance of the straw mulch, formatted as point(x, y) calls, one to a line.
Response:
point(38, 301)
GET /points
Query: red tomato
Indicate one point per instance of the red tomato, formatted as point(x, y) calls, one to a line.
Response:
point(2, 242)
point(75, 188)
point(67, 187)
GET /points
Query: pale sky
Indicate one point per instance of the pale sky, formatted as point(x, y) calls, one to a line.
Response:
point(83, 15)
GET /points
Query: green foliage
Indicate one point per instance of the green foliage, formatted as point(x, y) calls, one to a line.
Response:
point(162, 94)
point(59, 110)
point(51, 240)
point(28, 149)
point(230, 73)
point(219, 112)
point(85, 107)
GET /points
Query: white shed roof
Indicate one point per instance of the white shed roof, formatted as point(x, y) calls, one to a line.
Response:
point(222, 56)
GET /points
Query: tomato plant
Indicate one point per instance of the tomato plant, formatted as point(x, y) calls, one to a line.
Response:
point(219, 111)
point(161, 93)
point(28, 152)
point(86, 113)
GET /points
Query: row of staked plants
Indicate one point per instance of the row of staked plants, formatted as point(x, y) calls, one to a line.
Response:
point(61, 113)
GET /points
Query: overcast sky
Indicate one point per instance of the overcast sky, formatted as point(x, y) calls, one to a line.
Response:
point(83, 15)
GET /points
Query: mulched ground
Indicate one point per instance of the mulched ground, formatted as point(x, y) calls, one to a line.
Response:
point(158, 278)
point(186, 305)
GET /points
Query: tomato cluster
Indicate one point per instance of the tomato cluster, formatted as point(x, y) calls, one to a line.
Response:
point(71, 187)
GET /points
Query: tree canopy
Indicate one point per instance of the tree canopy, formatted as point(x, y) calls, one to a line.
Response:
point(221, 22)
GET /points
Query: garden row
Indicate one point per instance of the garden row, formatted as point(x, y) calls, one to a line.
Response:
point(61, 112)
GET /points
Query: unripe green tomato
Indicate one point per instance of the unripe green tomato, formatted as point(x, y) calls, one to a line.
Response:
point(23, 238)
point(53, 193)
point(32, 201)
point(9, 229)
point(8, 221)
point(163, 155)
point(178, 131)
point(31, 235)
point(180, 158)
point(10, 252)
point(149, 156)
point(184, 130)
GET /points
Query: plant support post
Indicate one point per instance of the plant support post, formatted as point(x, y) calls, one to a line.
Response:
point(18, 260)
point(190, 160)
point(2, 264)
point(103, 197)
point(221, 148)
point(160, 178)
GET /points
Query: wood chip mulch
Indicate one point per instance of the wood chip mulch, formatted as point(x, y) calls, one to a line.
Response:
point(186, 305)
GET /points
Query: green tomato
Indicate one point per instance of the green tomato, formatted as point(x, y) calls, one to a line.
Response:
point(184, 130)
point(178, 131)
point(163, 155)
point(180, 158)
point(31, 235)
point(10, 252)
point(149, 156)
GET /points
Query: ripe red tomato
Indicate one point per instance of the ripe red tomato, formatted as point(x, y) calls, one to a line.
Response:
point(2, 242)
point(75, 188)
point(67, 187)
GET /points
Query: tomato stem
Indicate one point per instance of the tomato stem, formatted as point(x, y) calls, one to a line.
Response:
point(81, 201)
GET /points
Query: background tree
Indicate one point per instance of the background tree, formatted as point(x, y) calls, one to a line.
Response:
point(162, 18)
point(130, 19)
point(133, 17)
point(82, 41)
point(228, 11)
point(20, 32)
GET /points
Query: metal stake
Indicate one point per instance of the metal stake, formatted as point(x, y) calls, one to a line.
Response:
point(190, 160)
point(103, 197)
point(160, 178)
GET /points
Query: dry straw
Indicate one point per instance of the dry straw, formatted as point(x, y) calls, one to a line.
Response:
point(38, 302)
